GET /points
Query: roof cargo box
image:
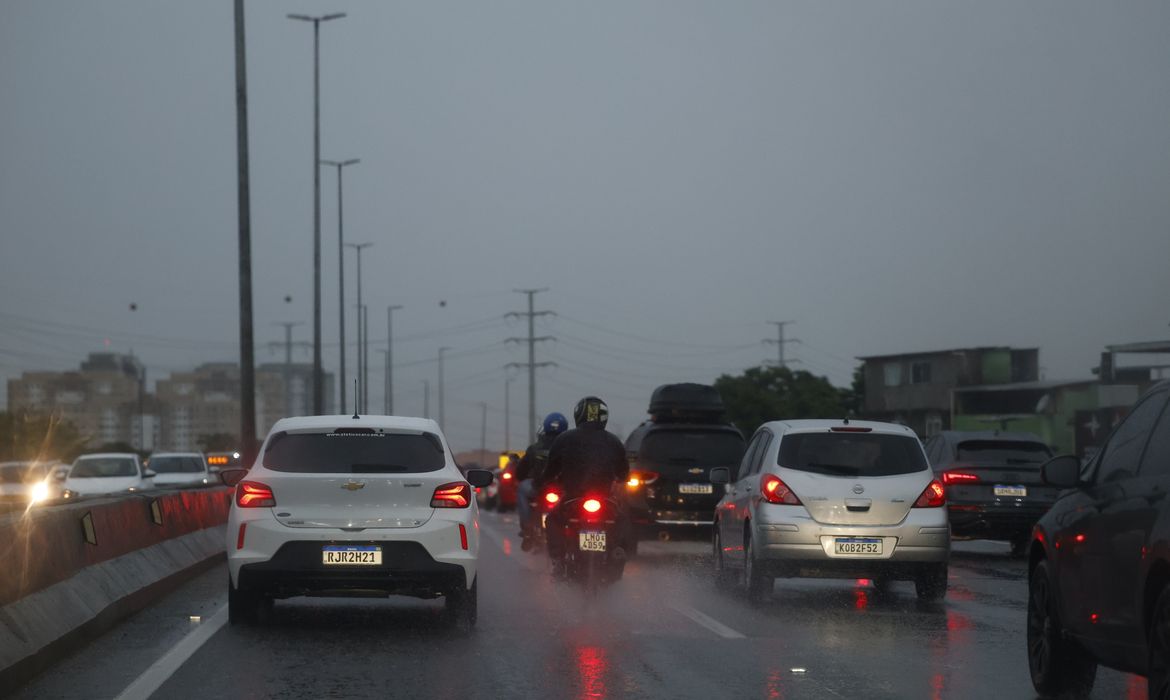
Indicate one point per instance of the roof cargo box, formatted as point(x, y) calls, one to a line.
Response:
point(676, 400)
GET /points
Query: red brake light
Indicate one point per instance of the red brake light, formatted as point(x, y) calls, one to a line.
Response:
point(462, 536)
point(959, 478)
point(850, 429)
point(934, 496)
point(551, 497)
point(456, 494)
point(506, 475)
point(592, 505)
point(776, 491)
point(253, 494)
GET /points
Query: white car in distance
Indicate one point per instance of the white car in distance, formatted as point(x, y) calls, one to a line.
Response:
point(107, 473)
point(180, 469)
point(353, 506)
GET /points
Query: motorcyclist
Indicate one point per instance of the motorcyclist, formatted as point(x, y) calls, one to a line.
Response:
point(585, 459)
point(530, 472)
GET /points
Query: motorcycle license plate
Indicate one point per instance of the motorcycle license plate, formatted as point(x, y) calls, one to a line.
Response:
point(591, 541)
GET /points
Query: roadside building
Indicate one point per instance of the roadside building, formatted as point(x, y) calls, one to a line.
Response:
point(917, 389)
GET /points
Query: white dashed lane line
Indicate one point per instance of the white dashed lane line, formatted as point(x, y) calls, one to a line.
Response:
point(153, 678)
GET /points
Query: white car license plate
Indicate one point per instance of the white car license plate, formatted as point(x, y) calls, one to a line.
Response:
point(857, 546)
point(360, 555)
point(695, 488)
point(591, 541)
point(1011, 491)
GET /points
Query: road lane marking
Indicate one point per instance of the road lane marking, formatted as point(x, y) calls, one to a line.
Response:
point(706, 621)
point(160, 671)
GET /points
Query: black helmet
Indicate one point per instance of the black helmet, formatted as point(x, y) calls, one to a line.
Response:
point(591, 411)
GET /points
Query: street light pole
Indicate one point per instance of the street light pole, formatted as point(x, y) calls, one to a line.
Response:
point(426, 398)
point(358, 247)
point(390, 358)
point(318, 376)
point(441, 415)
point(365, 358)
point(339, 164)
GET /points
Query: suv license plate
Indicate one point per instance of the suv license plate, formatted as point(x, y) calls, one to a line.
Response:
point(1011, 491)
point(857, 546)
point(695, 488)
point(335, 555)
point(591, 541)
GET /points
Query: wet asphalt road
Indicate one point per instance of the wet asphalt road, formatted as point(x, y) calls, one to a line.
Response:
point(661, 632)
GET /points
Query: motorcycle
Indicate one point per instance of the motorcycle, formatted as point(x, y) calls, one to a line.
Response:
point(595, 539)
point(542, 502)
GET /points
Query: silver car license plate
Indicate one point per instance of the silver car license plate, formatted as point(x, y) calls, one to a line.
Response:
point(1011, 491)
point(857, 546)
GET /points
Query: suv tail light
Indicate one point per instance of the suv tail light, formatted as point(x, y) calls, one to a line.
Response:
point(456, 494)
point(949, 478)
point(641, 479)
point(776, 491)
point(934, 496)
point(253, 494)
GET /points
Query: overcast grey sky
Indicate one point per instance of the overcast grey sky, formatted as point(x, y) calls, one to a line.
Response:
point(893, 176)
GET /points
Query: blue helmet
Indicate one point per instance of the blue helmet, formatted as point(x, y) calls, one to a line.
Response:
point(554, 424)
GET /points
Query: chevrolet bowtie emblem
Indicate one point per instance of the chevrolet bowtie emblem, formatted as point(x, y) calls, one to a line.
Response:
point(353, 485)
point(695, 470)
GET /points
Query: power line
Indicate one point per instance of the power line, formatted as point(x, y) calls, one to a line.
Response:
point(532, 364)
point(780, 341)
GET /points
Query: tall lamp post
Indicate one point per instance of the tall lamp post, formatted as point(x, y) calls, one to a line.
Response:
point(361, 351)
point(390, 357)
point(339, 164)
point(441, 415)
point(318, 376)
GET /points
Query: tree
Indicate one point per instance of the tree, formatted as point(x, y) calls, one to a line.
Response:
point(35, 436)
point(762, 394)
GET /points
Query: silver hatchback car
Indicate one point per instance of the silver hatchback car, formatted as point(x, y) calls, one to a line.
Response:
point(835, 499)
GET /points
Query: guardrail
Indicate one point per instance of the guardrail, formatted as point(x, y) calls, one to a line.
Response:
point(73, 570)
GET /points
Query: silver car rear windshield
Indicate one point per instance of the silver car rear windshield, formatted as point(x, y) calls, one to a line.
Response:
point(354, 451)
point(1015, 452)
point(852, 454)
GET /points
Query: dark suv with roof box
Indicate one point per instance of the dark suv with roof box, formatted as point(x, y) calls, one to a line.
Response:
point(671, 456)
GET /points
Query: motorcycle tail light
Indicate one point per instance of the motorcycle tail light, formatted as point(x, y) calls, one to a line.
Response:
point(591, 505)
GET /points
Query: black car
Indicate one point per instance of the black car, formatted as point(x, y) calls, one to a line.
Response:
point(1099, 560)
point(672, 455)
point(993, 483)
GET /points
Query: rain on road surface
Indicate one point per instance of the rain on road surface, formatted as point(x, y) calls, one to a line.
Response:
point(663, 631)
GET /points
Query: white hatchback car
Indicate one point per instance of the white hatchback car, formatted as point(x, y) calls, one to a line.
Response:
point(832, 498)
point(107, 473)
point(353, 506)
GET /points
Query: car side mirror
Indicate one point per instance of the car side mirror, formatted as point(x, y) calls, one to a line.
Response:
point(1063, 471)
point(213, 470)
point(479, 478)
point(720, 475)
point(148, 474)
point(231, 477)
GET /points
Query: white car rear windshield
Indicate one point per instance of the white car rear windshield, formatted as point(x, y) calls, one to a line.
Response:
point(354, 451)
point(98, 467)
point(852, 454)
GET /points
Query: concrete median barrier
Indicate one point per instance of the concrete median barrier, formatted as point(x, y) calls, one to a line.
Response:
point(70, 572)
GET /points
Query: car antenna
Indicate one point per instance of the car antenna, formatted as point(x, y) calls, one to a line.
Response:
point(355, 399)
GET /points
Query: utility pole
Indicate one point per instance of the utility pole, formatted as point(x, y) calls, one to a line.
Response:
point(390, 358)
point(426, 399)
point(360, 347)
point(365, 358)
point(532, 364)
point(441, 415)
point(507, 410)
point(339, 164)
point(318, 373)
point(385, 384)
point(288, 346)
point(244, 222)
point(780, 341)
point(483, 428)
